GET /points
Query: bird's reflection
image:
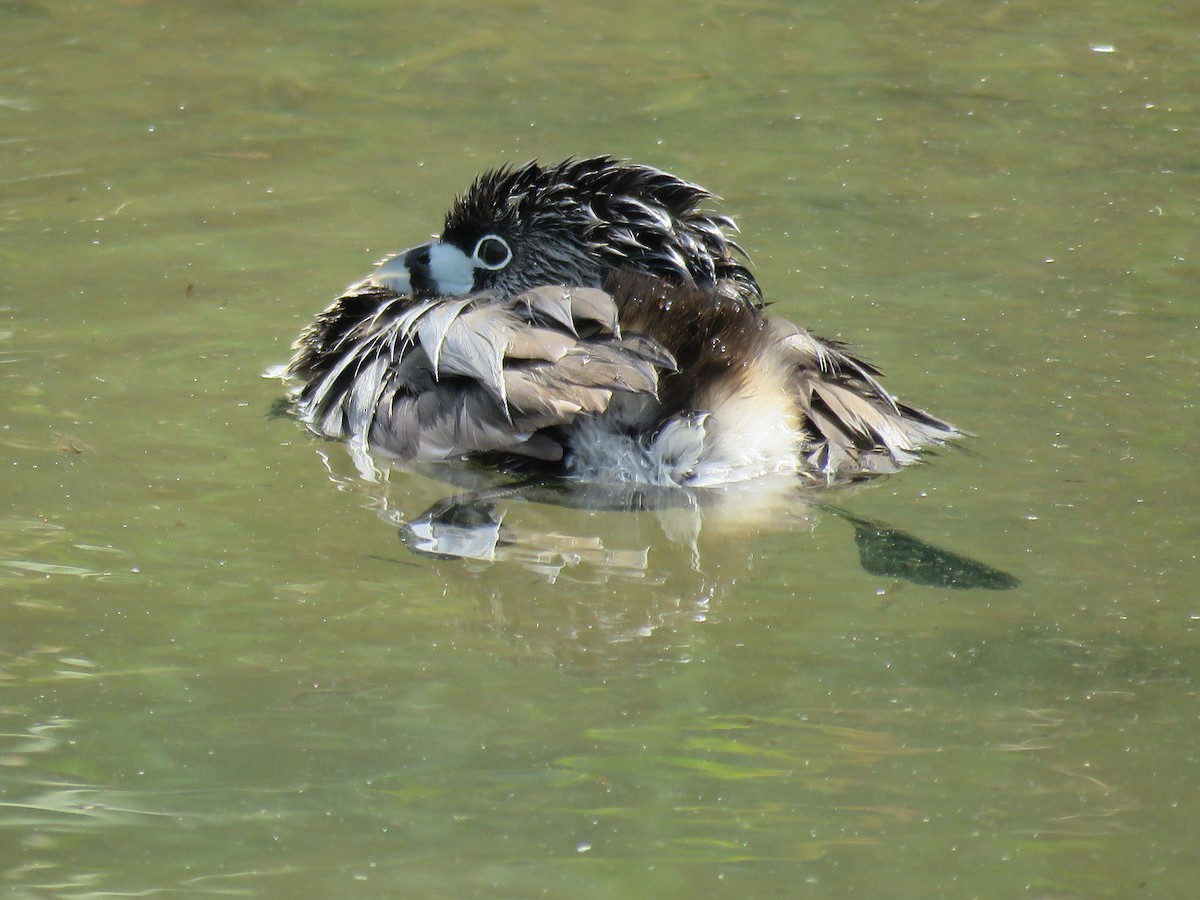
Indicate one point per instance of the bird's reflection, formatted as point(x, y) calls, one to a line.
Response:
point(489, 519)
point(468, 526)
point(488, 524)
point(595, 577)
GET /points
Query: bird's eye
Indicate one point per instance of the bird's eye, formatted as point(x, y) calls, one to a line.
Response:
point(491, 252)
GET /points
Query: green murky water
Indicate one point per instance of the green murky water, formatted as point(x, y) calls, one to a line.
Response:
point(222, 672)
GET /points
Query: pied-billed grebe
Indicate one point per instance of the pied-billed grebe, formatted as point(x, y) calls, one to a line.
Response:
point(594, 318)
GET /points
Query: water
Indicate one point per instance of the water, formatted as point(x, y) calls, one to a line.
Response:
point(221, 671)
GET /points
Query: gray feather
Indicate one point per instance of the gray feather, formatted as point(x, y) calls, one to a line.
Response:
point(551, 305)
point(448, 376)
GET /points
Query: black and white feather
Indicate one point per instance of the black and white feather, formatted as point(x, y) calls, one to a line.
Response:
point(594, 317)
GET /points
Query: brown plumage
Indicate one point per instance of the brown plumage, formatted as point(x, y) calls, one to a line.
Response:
point(595, 321)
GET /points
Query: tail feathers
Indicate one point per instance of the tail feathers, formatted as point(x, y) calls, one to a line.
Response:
point(858, 428)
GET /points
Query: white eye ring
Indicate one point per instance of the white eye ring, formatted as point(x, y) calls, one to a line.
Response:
point(491, 252)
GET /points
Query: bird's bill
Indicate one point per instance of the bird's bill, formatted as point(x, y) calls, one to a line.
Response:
point(435, 268)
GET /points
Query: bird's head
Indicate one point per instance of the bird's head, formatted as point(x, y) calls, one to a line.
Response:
point(574, 223)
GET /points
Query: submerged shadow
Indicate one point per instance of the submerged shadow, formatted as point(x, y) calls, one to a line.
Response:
point(892, 553)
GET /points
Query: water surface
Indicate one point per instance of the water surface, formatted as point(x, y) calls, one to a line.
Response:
point(221, 671)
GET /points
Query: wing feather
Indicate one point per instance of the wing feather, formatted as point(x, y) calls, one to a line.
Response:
point(447, 376)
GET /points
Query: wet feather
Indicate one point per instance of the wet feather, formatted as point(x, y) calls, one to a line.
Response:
point(626, 342)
